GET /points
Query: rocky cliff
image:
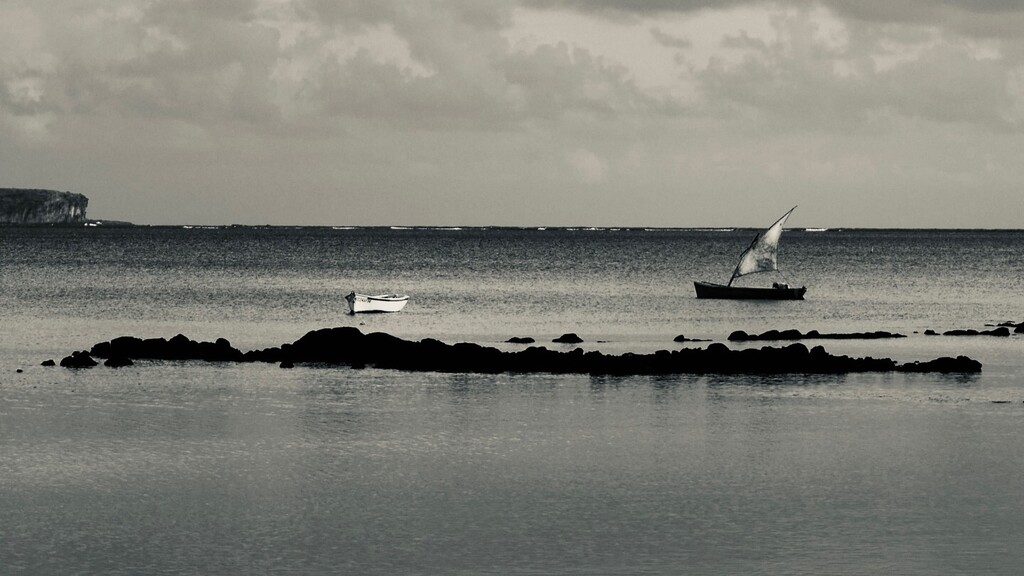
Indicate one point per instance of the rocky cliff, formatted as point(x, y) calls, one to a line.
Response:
point(22, 206)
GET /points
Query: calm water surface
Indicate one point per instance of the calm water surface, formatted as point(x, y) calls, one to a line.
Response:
point(186, 468)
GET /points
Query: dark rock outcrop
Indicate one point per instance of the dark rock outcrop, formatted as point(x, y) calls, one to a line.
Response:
point(741, 336)
point(569, 338)
point(945, 365)
point(177, 348)
point(520, 340)
point(48, 363)
point(350, 347)
point(25, 206)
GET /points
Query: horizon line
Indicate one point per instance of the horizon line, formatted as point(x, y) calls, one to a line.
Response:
point(96, 223)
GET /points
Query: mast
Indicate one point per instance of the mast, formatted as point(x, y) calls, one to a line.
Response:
point(736, 271)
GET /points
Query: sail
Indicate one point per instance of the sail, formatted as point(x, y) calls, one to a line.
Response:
point(763, 253)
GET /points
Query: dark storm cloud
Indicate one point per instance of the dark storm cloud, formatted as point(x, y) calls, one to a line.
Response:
point(487, 14)
point(979, 18)
point(985, 18)
point(646, 7)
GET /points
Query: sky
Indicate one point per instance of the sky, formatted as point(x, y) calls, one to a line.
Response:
point(658, 113)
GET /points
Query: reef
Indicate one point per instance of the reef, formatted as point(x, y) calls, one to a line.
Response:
point(1018, 327)
point(1002, 331)
point(348, 346)
point(741, 336)
point(683, 338)
point(27, 206)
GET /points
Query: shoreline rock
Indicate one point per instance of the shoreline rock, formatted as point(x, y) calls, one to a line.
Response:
point(348, 346)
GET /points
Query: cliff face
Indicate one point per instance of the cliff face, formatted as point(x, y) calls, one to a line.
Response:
point(21, 206)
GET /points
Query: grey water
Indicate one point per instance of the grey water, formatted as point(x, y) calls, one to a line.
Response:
point(198, 468)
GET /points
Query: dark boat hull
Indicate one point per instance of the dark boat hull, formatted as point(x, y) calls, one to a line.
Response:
point(709, 290)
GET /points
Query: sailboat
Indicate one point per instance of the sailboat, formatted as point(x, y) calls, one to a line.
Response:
point(760, 256)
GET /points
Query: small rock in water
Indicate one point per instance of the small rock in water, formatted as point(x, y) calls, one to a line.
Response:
point(520, 340)
point(569, 338)
point(48, 363)
point(19, 370)
point(118, 362)
point(78, 360)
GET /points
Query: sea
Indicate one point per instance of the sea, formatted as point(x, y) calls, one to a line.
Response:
point(189, 467)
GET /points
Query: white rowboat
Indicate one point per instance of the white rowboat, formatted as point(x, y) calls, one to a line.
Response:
point(379, 303)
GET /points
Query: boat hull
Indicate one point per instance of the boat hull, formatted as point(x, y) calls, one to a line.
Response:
point(721, 291)
point(363, 303)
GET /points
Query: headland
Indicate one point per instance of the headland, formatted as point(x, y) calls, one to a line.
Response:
point(34, 206)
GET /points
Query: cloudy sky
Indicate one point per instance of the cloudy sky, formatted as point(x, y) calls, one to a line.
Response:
point(519, 112)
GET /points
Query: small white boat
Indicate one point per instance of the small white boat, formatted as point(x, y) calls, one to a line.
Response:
point(378, 303)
